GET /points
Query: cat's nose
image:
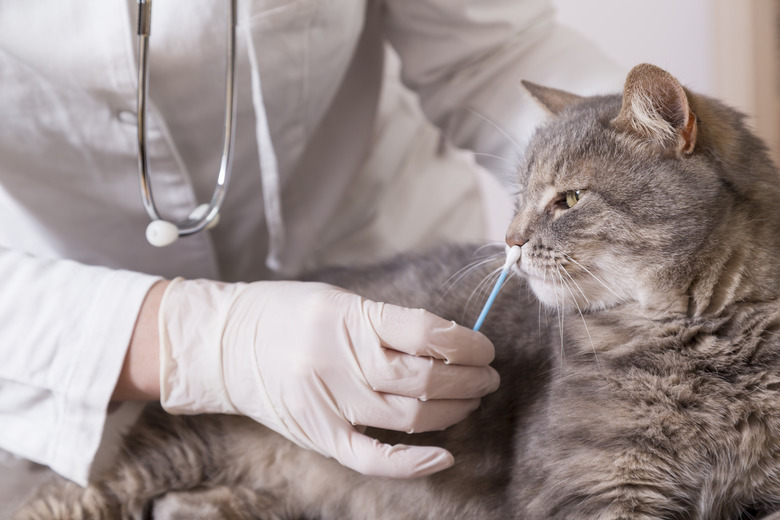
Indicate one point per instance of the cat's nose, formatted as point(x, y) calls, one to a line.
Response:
point(516, 235)
point(519, 231)
point(515, 239)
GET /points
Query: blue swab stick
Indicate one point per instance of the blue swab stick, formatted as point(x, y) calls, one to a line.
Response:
point(512, 256)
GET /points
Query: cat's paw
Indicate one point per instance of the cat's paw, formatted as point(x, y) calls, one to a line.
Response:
point(217, 502)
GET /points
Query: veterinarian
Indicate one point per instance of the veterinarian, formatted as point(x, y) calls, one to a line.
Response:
point(363, 167)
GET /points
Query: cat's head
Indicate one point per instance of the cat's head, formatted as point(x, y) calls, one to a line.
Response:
point(659, 197)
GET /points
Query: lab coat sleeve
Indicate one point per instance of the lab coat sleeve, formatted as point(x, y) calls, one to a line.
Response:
point(64, 332)
point(465, 59)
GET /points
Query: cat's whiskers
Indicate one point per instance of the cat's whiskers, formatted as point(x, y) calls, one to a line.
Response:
point(582, 316)
point(505, 171)
point(539, 317)
point(464, 271)
point(559, 311)
point(515, 145)
point(482, 289)
point(485, 286)
point(601, 282)
point(496, 243)
point(576, 285)
point(456, 279)
point(511, 167)
point(494, 156)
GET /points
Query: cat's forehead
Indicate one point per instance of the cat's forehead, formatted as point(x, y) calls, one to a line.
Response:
point(570, 150)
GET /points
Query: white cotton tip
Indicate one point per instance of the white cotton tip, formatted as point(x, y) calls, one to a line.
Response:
point(512, 256)
point(161, 233)
point(200, 212)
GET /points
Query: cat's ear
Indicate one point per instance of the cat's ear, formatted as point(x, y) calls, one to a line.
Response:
point(551, 99)
point(655, 107)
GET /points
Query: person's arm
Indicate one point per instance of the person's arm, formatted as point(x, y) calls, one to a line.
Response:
point(64, 331)
point(308, 360)
point(466, 59)
point(139, 379)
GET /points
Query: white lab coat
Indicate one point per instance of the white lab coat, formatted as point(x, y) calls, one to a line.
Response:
point(355, 182)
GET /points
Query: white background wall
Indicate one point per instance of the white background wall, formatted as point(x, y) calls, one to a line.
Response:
point(724, 48)
point(676, 35)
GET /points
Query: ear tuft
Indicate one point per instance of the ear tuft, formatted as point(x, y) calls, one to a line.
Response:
point(551, 99)
point(656, 108)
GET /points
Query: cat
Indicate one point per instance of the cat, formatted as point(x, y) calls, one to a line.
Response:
point(638, 343)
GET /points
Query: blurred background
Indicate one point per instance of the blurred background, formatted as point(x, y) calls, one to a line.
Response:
point(724, 48)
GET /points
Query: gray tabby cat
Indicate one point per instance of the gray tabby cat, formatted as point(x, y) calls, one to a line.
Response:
point(651, 389)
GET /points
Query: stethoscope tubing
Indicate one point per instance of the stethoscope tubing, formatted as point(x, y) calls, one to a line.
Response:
point(197, 221)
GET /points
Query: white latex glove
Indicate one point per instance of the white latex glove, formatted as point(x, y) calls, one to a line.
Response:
point(312, 362)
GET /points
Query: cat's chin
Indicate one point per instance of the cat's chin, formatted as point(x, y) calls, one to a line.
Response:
point(552, 295)
point(567, 298)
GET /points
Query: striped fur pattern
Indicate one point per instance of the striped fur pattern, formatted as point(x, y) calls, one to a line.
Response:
point(638, 345)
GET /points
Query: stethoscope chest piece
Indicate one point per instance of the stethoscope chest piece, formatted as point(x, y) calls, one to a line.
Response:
point(161, 233)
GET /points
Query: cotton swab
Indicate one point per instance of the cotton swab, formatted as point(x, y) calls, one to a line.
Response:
point(512, 256)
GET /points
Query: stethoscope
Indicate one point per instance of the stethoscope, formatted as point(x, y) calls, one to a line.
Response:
point(161, 232)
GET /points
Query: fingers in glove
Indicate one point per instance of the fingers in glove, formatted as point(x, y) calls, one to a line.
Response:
point(421, 333)
point(369, 456)
point(410, 415)
point(429, 378)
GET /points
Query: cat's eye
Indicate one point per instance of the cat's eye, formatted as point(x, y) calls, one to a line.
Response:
point(573, 196)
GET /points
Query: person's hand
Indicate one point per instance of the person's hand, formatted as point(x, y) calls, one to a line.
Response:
point(314, 363)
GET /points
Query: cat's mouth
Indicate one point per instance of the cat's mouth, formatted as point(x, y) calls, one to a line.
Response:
point(565, 286)
point(579, 282)
point(544, 267)
point(547, 279)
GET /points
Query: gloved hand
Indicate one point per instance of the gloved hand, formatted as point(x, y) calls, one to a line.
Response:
point(312, 362)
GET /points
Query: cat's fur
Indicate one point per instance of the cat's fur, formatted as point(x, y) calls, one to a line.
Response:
point(651, 390)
